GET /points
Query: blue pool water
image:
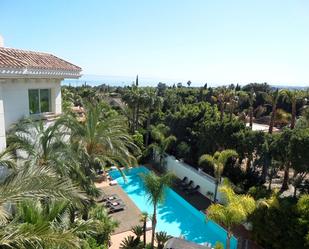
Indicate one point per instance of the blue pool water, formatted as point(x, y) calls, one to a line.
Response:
point(175, 216)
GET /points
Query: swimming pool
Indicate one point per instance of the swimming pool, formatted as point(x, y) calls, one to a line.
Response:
point(175, 216)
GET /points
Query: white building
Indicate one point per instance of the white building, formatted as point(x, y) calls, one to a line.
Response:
point(30, 86)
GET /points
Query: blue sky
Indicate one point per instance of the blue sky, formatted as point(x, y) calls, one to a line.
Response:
point(225, 41)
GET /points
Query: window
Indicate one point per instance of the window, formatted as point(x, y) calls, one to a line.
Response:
point(39, 100)
point(34, 101)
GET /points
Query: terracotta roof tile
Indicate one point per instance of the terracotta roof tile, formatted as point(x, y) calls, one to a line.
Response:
point(9, 61)
point(10, 57)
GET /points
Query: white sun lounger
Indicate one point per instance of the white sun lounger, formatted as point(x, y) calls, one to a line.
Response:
point(113, 182)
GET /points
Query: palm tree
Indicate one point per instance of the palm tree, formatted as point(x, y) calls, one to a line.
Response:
point(139, 102)
point(155, 190)
point(129, 97)
point(144, 219)
point(68, 99)
point(232, 103)
point(272, 99)
point(163, 142)
point(51, 217)
point(35, 205)
point(304, 121)
point(291, 96)
point(32, 183)
point(104, 224)
point(36, 141)
point(270, 202)
point(6, 160)
point(161, 239)
point(282, 117)
point(250, 97)
point(101, 140)
point(48, 226)
point(272, 171)
point(134, 99)
point(138, 231)
point(153, 101)
point(130, 242)
point(221, 97)
point(235, 212)
point(218, 162)
point(42, 145)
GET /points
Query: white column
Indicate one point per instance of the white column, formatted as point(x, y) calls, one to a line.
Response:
point(57, 96)
point(2, 122)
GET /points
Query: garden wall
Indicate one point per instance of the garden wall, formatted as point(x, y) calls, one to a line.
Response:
point(181, 169)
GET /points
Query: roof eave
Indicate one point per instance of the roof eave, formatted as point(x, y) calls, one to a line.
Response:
point(6, 72)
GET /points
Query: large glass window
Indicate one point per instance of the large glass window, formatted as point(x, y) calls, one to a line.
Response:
point(45, 100)
point(39, 100)
point(34, 101)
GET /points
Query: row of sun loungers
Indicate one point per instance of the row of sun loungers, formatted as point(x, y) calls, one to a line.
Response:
point(188, 186)
point(113, 203)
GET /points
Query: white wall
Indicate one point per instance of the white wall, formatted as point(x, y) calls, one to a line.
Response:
point(56, 97)
point(2, 122)
point(15, 97)
point(181, 169)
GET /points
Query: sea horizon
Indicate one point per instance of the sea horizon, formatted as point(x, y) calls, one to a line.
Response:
point(122, 81)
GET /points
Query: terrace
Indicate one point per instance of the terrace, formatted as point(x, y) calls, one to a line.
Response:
point(127, 218)
point(131, 215)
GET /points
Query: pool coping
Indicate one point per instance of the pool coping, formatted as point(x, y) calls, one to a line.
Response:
point(186, 203)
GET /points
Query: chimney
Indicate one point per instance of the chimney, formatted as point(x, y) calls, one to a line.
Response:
point(1, 41)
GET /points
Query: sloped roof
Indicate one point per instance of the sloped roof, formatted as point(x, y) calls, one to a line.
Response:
point(177, 243)
point(9, 61)
point(17, 58)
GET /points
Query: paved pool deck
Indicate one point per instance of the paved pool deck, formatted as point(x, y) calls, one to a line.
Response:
point(127, 218)
point(199, 201)
point(116, 239)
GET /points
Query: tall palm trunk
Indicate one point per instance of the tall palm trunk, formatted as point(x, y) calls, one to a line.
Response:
point(266, 164)
point(270, 182)
point(293, 120)
point(285, 183)
point(272, 119)
point(154, 224)
point(295, 191)
point(221, 111)
point(251, 116)
point(144, 232)
point(137, 115)
point(133, 118)
point(148, 128)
